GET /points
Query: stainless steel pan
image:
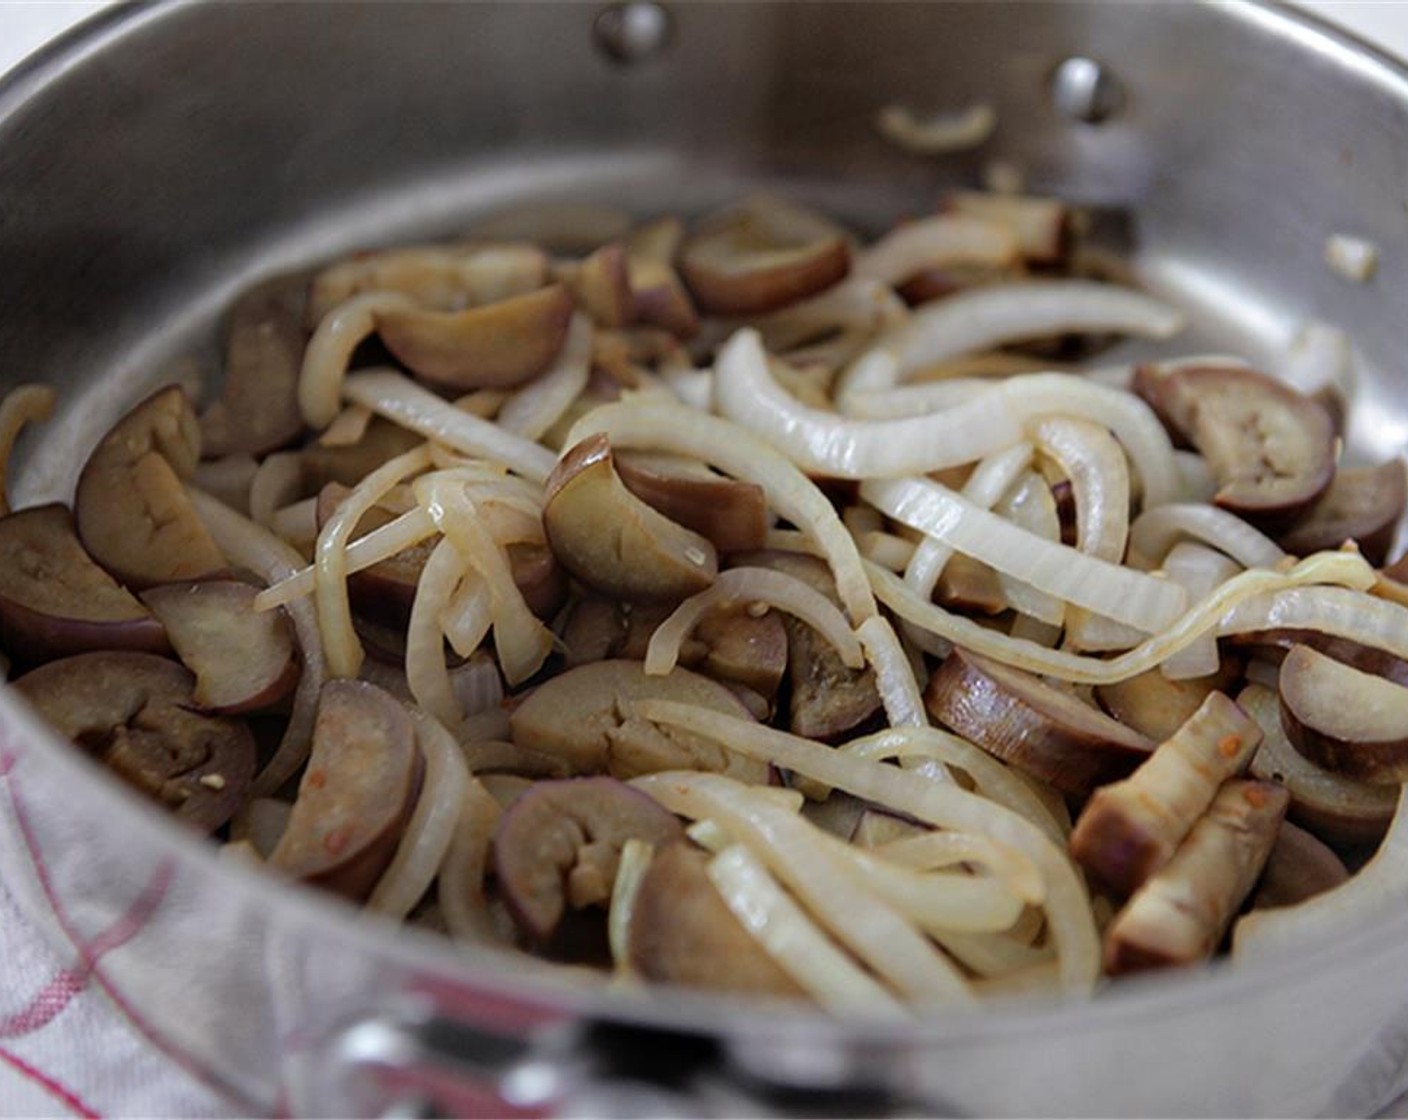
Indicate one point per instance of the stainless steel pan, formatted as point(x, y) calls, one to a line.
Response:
point(166, 155)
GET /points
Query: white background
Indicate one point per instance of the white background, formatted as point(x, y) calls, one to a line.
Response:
point(26, 24)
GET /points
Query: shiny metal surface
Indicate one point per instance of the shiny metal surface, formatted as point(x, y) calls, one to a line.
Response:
point(170, 154)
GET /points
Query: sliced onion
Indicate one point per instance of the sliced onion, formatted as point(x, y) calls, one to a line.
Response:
point(1094, 463)
point(401, 400)
point(937, 135)
point(341, 646)
point(828, 884)
point(1109, 589)
point(746, 585)
point(536, 407)
point(969, 402)
point(432, 825)
point(460, 890)
point(257, 550)
point(1254, 600)
point(426, 673)
point(694, 387)
point(894, 677)
point(1197, 483)
point(791, 939)
point(662, 427)
point(887, 550)
point(24, 404)
point(297, 523)
point(636, 856)
point(855, 304)
point(348, 427)
point(340, 332)
point(1199, 571)
point(1155, 531)
point(1320, 358)
point(930, 851)
point(277, 482)
point(1354, 258)
point(946, 806)
point(521, 640)
point(467, 619)
point(937, 242)
point(988, 318)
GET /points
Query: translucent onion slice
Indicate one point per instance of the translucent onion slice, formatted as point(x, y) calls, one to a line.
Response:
point(402, 401)
point(990, 777)
point(536, 407)
point(1154, 532)
point(1109, 589)
point(937, 242)
point(894, 676)
point(828, 884)
point(297, 523)
point(855, 304)
point(254, 548)
point(1199, 571)
point(733, 450)
point(1320, 358)
point(460, 886)
point(1197, 482)
point(347, 427)
point(792, 940)
point(1254, 600)
point(938, 135)
point(1030, 505)
point(988, 318)
point(963, 403)
point(277, 482)
point(634, 863)
point(1093, 462)
point(24, 404)
point(1372, 893)
point(329, 351)
point(693, 387)
point(933, 850)
point(945, 806)
point(747, 585)
point(341, 646)
point(521, 640)
point(467, 619)
point(432, 824)
point(426, 673)
point(1005, 964)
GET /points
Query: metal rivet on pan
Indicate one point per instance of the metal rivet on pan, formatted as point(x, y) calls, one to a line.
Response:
point(632, 31)
point(1084, 90)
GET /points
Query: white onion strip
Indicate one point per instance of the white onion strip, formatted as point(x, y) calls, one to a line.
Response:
point(536, 407)
point(1155, 531)
point(1199, 571)
point(636, 856)
point(1112, 590)
point(340, 332)
point(277, 481)
point(894, 677)
point(402, 401)
point(953, 131)
point(460, 885)
point(829, 885)
point(341, 646)
point(946, 806)
point(986, 318)
point(733, 450)
point(936, 242)
point(432, 825)
point(1094, 463)
point(427, 676)
point(467, 618)
point(255, 549)
point(1257, 599)
point(790, 938)
point(746, 586)
point(1029, 505)
point(932, 850)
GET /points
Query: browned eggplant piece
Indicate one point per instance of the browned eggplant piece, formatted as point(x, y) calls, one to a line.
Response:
point(497, 345)
point(1032, 726)
point(1299, 868)
point(538, 576)
point(1179, 916)
point(658, 295)
point(1330, 805)
point(682, 932)
point(55, 601)
point(1271, 449)
point(1363, 504)
point(827, 700)
point(970, 585)
point(132, 513)
point(257, 411)
point(614, 542)
point(599, 628)
point(558, 846)
point(1157, 707)
point(349, 463)
point(1347, 721)
point(731, 514)
point(1130, 829)
point(601, 286)
point(356, 795)
point(741, 265)
point(583, 716)
point(132, 712)
point(244, 660)
point(1273, 645)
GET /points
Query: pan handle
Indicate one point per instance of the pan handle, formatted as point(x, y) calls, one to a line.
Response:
point(416, 1061)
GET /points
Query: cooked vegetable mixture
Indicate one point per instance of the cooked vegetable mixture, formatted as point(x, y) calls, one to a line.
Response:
point(748, 606)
